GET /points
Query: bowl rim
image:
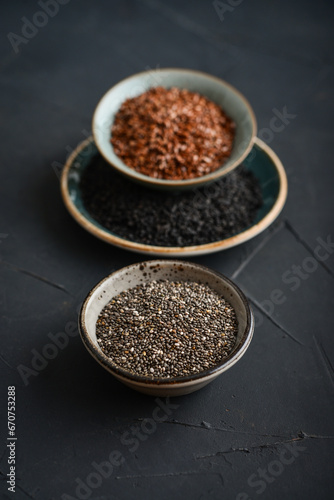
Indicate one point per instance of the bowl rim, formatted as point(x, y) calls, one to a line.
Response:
point(229, 361)
point(165, 183)
point(113, 239)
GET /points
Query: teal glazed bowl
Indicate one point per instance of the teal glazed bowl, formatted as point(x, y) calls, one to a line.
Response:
point(215, 89)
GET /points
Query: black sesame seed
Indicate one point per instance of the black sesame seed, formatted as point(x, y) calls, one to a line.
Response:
point(143, 215)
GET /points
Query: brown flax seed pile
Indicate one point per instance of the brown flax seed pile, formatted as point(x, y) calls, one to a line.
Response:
point(172, 134)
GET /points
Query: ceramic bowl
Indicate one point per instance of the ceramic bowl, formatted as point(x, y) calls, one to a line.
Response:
point(261, 161)
point(144, 272)
point(220, 92)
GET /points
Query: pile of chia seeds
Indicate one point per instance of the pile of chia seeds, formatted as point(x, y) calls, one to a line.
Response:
point(167, 329)
point(152, 217)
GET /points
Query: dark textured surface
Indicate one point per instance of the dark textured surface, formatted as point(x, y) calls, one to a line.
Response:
point(71, 414)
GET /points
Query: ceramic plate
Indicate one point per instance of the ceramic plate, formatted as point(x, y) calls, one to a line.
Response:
point(261, 161)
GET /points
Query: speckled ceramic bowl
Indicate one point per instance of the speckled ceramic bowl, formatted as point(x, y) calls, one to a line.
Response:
point(144, 272)
point(220, 92)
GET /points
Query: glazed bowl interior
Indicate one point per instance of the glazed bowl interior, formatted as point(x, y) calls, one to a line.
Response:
point(135, 274)
point(220, 92)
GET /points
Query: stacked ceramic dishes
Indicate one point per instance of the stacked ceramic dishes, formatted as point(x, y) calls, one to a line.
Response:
point(247, 150)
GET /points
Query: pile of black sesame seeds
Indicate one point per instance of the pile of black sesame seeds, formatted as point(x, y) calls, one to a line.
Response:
point(167, 329)
point(154, 217)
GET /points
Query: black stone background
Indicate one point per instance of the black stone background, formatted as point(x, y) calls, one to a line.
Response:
point(72, 413)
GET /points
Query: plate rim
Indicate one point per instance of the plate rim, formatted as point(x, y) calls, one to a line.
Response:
point(186, 251)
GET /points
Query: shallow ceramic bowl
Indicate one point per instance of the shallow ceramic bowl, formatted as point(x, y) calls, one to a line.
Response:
point(261, 161)
point(220, 92)
point(144, 272)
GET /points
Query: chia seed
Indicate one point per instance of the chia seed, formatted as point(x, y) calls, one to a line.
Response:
point(167, 329)
point(143, 215)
